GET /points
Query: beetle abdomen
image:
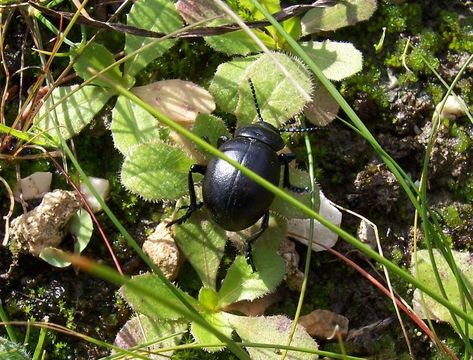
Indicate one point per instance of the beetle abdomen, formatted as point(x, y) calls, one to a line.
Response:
point(234, 200)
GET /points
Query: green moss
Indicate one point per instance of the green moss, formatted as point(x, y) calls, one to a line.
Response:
point(458, 36)
point(451, 216)
point(464, 141)
point(436, 91)
point(399, 18)
point(366, 82)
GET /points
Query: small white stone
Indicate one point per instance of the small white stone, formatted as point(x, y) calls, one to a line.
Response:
point(453, 108)
point(299, 229)
point(367, 234)
point(34, 186)
point(102, 186)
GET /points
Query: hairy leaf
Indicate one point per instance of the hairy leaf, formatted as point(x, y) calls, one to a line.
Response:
point(344, 13)
point(156, 171)
point(273, 90)
point(241, 283)
point(425, 273)
point(211, 127)
point(271, 330)
point(97, 57)
point(169, 307)
point(227, 79)
point(203, 336)
point(132, 125)
point(202, 243)
point(159, 334)
point(237, 42)
point(73, 112)
point(155, 15)
point(323, 109)
point(337, 60)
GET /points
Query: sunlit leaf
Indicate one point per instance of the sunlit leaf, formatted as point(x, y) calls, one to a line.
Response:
point(156, 171)
point(155, 15)
point(202, 243)
point(273, 89)
point(169, 307)
point(337, 60)
point(227, 79)
point(74, 111)
point(424, 272)
point(81, 227)
point(132, 125)
point(97, 58)
point(344, 13)
point(203, 336)
point(271, 330)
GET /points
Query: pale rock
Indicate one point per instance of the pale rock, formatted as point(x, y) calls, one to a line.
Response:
point(45, 225)
point(163, 251)
point(102, 186)
point(34, 186)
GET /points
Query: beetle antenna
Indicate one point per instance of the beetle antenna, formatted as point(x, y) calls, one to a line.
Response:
point(253, 91)
point(299, 130)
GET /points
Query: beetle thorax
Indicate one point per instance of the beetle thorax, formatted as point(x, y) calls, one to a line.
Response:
point(263, 132)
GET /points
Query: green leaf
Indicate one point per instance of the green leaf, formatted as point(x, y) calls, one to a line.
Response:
point(271, 330)
point(155, 15)
point(54, 257)
point(292, 27)
point(337, 60)
point(211, 127)
point(10, 350)
point(81, 227)
point(203, 243)
point(300, 179)
point(239, 43)
point(156, 171)
point(273, 6)
point(227, 79)
point(132, 125)
point(169, 308)
point(158, 334)
point(208, 298)
point(96, 57)
point(241, 283)
point(344, 13)
point(74, 112)
point(203, 336)
point(277, 97)
point(323, 109)
point(425, 274)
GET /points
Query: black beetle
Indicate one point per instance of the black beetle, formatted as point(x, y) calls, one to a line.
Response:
point(234, 201)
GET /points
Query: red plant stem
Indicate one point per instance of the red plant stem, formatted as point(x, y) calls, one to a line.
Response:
point(421, 324)
point(94, 219)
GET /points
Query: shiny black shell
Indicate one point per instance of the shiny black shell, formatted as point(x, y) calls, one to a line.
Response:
point(235, 201)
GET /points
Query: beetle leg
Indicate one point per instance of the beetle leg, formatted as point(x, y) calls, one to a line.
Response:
point(252, 238)
point(193, 205)
point(286, 159)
